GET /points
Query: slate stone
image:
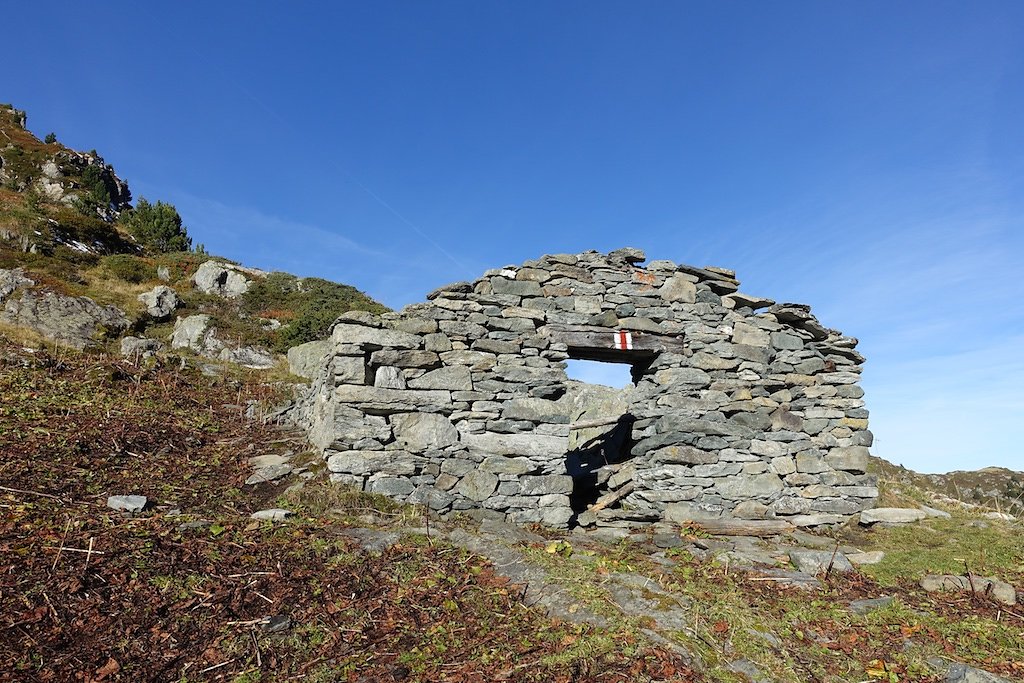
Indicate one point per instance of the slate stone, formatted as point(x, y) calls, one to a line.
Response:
point(866, 605)
point(272, 514)
point(784, 341)
point(991, 587)
point(127, 503)
point(544, 485)
point(269, 473)
point(858, 559)
point(452, 378)
point(500, 285)
point(816, 562)
point(477, 485)
point(423, 431)
point(962, 673)
point(397, 487)
point(743, 487)
point(848, 458)
point(892, 516)
point(372, 337)
point(748, 335)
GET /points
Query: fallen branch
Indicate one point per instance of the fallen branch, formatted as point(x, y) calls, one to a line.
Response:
point(217, 666)
point(31, 493)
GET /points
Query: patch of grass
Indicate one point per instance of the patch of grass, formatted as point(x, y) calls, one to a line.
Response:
point(946, 546)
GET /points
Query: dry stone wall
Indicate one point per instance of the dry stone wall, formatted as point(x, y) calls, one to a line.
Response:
point(740, 406)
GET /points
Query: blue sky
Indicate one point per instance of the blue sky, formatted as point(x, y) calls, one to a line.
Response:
point(865, 158)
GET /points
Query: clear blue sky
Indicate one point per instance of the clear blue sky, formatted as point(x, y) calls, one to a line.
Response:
point(866, 158)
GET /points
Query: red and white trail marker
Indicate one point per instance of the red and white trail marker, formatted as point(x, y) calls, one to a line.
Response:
point(623, 340)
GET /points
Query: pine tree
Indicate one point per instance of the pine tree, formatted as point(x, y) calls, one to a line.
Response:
point(157, 226)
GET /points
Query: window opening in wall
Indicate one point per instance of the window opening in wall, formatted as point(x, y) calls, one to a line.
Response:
point(615, 375)
point(601, 429)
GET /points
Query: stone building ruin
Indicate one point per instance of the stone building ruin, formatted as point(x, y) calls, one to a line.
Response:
point(740, 407)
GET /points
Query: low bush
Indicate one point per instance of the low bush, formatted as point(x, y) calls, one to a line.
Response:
point(314, 304)
point(129, 268)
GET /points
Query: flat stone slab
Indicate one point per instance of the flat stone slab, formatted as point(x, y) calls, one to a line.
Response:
point(268, 460)
point(270, 473)
point(272, 514)
point(892, 515)
point(987, 586)
point(127, 503)
point(866, 605)
point(858, 559)
point(818, 561)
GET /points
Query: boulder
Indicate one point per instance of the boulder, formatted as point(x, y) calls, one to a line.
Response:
point(160, 302)
point(222, 279)
point(191, 333)
point(248, 356)
point(305, 360)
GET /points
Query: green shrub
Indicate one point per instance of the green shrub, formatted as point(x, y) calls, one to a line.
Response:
point(308, 307)
point(50, 138)
point(157, 226)
point(129, 268)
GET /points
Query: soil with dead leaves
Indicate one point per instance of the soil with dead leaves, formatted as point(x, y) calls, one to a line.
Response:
point(192, 589)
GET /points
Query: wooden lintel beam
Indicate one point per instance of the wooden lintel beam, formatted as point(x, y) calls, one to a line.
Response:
point(609, 344)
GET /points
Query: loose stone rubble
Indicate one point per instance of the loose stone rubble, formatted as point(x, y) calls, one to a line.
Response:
point(740, 406)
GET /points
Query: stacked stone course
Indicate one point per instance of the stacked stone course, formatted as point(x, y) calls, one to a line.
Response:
point(741, 407)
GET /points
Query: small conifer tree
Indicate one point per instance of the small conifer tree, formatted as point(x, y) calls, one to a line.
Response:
point(157, 226)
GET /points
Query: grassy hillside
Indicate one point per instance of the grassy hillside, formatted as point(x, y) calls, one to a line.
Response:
point(993, 488)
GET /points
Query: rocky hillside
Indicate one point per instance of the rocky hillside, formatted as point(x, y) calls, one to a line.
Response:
point(994, 489)
point(80, 265)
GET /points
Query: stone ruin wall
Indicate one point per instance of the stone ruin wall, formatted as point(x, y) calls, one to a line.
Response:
point(740, 407)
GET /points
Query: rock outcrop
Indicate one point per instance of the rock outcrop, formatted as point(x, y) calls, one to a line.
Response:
point(160, 302)
point(73, 320)
point(195, 333)
point(463, 402)
point(220, 278)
